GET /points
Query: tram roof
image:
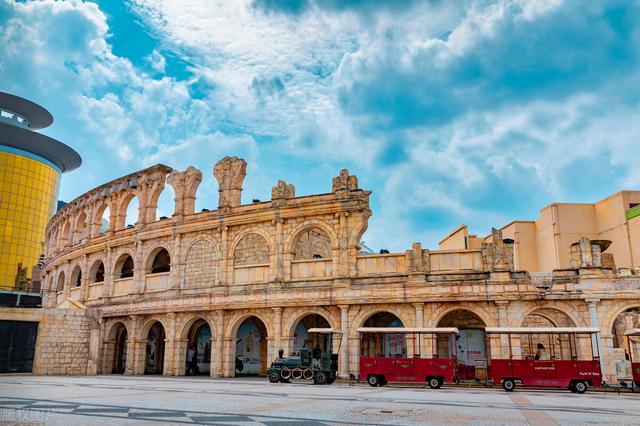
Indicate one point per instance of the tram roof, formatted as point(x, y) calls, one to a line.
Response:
point(325, 330)
point(408, 330)
point(541, 330)
point(632, 332)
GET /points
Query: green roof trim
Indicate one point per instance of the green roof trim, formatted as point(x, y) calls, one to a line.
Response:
point(634, 212)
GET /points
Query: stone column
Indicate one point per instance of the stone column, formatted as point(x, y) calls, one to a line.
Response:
point(218, 355)
point(420, 344)
point(84, 283)
point(343, 245)
point(344, 346)
point(276, 343)
point(279, 251)
point(107, 285)
point(168, 368)
point(503, 321)
point(597, 342)
point(139, 270)
point(224, 256)
point(131, 345)
point(176, 263)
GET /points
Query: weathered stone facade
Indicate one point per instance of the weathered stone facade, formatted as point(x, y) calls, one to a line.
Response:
point(277, 263)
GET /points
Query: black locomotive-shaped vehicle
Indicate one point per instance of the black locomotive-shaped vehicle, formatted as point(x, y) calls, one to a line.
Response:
point(309, 364)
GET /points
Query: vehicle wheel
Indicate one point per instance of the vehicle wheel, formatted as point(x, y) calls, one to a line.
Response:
point(307, 374)
point(320, 379)
point(296, 374)
point(572, 387)
point(373, 380)
point(331, 378)
point(509, 385)
point(274, 377)
point(580, 387)
point(434, 383)
point(285, 373)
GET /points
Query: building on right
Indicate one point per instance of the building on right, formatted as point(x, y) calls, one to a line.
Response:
point(545, 244)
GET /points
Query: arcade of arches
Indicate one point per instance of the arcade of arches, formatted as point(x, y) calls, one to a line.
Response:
point(222, 290)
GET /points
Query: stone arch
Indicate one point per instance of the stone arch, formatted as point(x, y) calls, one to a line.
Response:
point(292, 320)
point(312, 242)
point(98, 228)
point(614, 311)
point(124, 266)
point(154, 332)
point(297, 326)
point(158, 260)
point(60, 282)
point(319, 224)
point(97, 272)
point(251, 248)
point(470, 344)
point(488, 318)
point(250, 350)
point(116, 347)
point(357, 231)
point(235, 322)
point(369, 311)
point(386, 345)
point(76, 276)
point(165, 199)
point(66, 234)
point(128, 199)
point(626, 319)
point(200, 264)
point(196, 334)
point(80, 232)
point(556, 346)
point(573, 314)
point(550, 312)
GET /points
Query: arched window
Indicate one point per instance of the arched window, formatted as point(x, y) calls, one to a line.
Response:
point(251, 250)
point(161, 262)
point(76, 277)
point(312, 244)
point(60, 282)
point(102, 220)
point(97, 272)
point(81, 229)
point(124, 267)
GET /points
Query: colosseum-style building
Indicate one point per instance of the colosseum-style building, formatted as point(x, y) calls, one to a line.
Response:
point(240, 282)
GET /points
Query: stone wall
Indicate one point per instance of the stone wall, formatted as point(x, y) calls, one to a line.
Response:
point(67, 339)
point(251, 250)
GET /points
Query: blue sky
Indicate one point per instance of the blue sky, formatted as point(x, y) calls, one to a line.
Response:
point(451, 112)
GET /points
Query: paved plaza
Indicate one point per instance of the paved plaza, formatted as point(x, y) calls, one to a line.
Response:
point(118, 400)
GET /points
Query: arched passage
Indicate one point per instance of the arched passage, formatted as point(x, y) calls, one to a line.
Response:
point(471, 346)
point(117, 349)
point(154, 353)
point(198, 352)
point(393, 345)
point(251, 348)
point(555, 346)
point(625, 320)
point(301, 337)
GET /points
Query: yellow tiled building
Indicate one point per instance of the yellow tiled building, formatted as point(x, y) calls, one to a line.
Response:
point(30, 169)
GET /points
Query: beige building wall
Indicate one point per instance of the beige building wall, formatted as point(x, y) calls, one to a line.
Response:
point(543, 245)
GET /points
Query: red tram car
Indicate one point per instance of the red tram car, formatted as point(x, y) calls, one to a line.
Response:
point(379, 365)
point(635, 359)
point(566, 365)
